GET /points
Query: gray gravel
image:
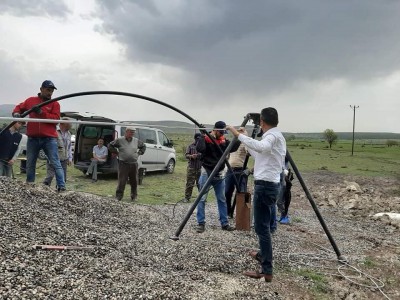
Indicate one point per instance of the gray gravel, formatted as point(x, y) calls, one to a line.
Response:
point(134, 258)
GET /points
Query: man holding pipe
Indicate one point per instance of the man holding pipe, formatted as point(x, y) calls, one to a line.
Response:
point(42, 135)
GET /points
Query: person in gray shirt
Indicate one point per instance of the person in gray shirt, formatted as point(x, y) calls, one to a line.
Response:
point(128, 148)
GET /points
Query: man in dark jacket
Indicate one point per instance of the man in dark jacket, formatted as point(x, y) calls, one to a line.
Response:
point(42, 135)
point(211, 154)
point(9, 149)
point(193, 168)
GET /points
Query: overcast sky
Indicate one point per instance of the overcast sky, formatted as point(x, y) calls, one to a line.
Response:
point(214, 60)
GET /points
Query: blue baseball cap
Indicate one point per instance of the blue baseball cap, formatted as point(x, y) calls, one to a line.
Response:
point(48, 84)
point(220, 126)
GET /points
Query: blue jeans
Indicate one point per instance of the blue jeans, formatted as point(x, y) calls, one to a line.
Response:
point(265, 196)
point(5, 168)
point(51, 172)
point(219, 189)
point(230, 185)
point(50, 148)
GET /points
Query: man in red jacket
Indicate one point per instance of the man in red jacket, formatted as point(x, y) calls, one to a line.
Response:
point(42, 135)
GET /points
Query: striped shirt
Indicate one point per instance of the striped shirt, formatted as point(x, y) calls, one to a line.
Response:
point(194, 163)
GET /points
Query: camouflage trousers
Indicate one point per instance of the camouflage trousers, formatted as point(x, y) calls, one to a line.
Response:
point(192, 178)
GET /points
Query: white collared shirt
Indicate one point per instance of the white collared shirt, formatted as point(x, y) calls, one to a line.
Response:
point(269, 154)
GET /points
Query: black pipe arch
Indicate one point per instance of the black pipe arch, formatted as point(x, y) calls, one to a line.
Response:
point(112, 93)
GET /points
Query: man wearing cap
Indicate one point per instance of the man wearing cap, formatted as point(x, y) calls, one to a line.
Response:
point(193, 168)
point(211, 152)
point(42, 135)
point(128, 148)
point(10, 148)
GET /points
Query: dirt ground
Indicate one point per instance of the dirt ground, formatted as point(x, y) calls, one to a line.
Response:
point(134, 257)
point(370, 245)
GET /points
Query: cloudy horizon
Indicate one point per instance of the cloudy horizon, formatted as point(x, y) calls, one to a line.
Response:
point(214, 60)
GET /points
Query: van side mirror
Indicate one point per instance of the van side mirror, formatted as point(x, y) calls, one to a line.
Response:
point(170, 143)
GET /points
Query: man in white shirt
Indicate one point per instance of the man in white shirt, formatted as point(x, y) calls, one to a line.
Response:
point(269, 155)
point(100, 153)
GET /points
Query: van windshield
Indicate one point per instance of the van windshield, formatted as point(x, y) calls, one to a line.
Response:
point(95, 132)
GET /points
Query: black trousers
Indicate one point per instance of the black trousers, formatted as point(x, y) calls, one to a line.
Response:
point(127, 172)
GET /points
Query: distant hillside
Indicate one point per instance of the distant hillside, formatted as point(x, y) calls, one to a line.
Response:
point(188, 128)
point(6, 110)
point(348, 135)
point(178, 126)
point(171, 126)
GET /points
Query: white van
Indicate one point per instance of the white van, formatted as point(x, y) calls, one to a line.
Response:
point(159, 156)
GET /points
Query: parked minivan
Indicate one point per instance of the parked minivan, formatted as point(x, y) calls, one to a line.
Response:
point(159, 156)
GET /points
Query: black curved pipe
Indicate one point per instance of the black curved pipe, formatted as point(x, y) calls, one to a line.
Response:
point(315, 208)
point(127, 95)
point(107, 93)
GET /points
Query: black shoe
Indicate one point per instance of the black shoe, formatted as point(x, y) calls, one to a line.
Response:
point(61, 190)
point(94, 180)
point(228, 227)
point(119, 198)
point(200, 228)
point(133, 198)
point(185, 200)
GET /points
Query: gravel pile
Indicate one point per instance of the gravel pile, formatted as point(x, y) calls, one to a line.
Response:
point(134, 258)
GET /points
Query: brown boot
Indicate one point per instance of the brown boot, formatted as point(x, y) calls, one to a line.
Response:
point(258, 275)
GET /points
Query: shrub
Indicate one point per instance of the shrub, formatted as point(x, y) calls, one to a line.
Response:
point(391, 143)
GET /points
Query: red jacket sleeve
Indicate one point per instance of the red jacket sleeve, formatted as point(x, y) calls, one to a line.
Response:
point(20, 108)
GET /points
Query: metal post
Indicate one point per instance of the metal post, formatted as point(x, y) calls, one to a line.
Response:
point(354, 124)
point(315, 208)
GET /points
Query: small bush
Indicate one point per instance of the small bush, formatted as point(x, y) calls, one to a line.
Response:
point(391, 143)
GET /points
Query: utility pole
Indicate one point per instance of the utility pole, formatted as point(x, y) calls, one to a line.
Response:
point(354, 123)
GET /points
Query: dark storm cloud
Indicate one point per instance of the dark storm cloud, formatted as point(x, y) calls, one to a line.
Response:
point(260, 45)
point(22, 8)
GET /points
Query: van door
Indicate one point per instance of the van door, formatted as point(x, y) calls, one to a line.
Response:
point(165, 148)
point(149, 159)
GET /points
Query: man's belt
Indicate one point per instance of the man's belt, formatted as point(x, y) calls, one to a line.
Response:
point(264, 182)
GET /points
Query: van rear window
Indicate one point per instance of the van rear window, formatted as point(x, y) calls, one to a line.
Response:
point(91, 132)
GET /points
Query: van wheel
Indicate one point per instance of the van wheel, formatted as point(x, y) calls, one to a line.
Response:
point(171, 166)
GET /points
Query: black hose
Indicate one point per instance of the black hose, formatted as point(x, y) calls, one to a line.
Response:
point(127, 95)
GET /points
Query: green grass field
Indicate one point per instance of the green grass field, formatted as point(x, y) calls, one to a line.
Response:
point(367, 160)
point(309, 155)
